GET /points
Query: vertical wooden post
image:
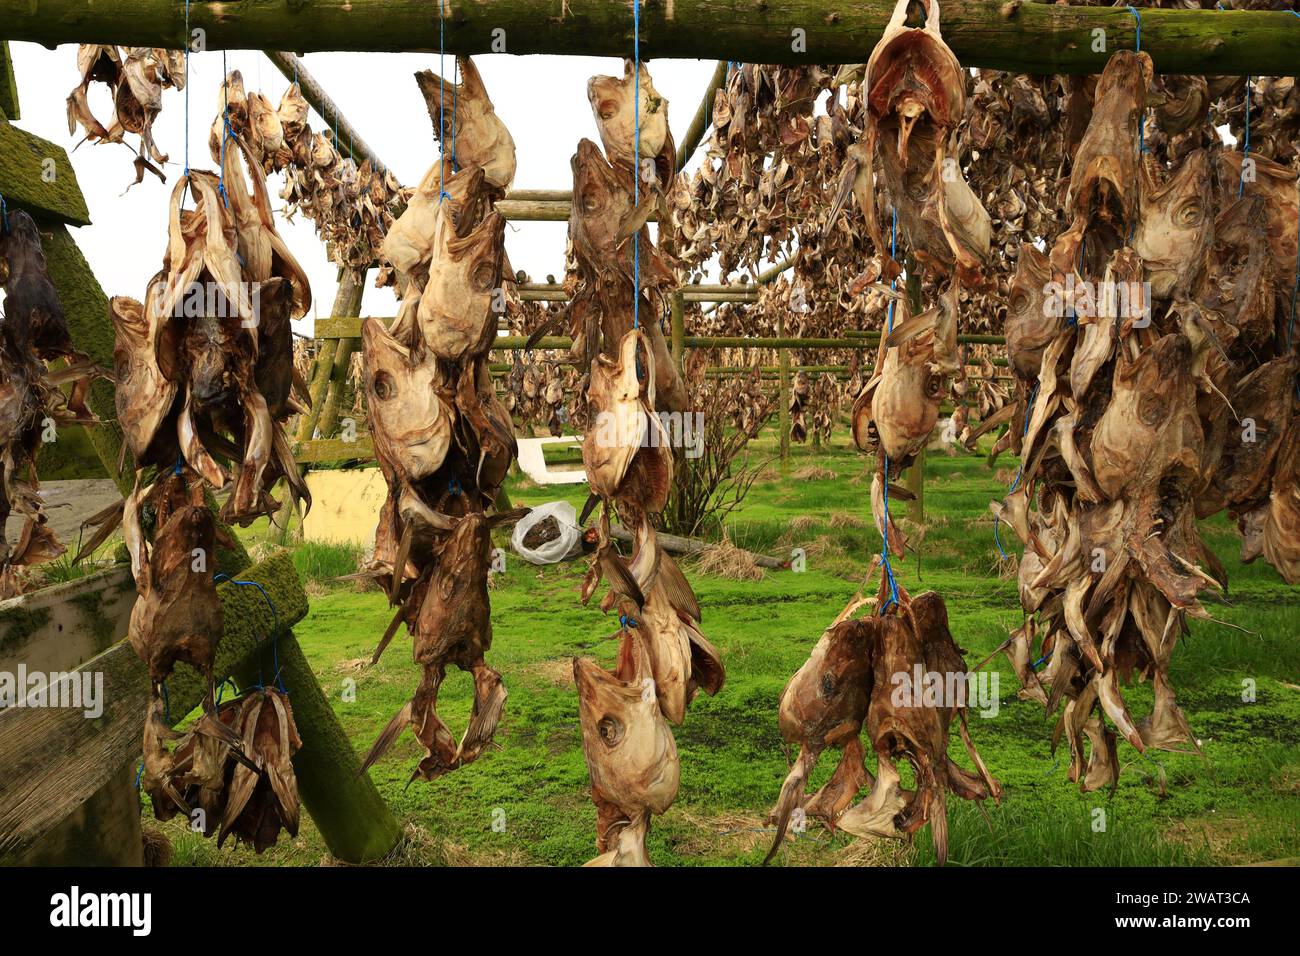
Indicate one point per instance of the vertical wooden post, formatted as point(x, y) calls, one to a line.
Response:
point(783, 409)
point(678, 333)
point(332, 364)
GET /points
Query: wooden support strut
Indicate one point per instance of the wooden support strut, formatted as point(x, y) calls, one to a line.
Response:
point(1015, 36)
point(53, 759)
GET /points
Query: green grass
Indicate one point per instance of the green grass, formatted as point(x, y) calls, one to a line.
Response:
point(1237, 805)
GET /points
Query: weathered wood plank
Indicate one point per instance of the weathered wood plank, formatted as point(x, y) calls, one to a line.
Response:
point(53, 759)
point(1014, 36)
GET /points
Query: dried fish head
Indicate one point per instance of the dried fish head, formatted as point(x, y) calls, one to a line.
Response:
point(600, 201)
point(913, 74)
point(629, 747)
point(1031, 322)
point(463, 296)
point(1149, 431)
point(1102, 200)
point(1176, 228)
point(410, 422)
point(469, 124)
point(611, 101)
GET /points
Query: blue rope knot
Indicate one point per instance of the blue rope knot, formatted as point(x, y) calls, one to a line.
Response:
point(627, 620)
point(453, 487)
point(4, 214)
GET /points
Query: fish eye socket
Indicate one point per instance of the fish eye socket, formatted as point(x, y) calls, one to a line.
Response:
point(590, 200)
point(1190, 214)
point(1019, 302)
point(384, 386)
point(484, 276)
point(607, 110)
point(611, 730)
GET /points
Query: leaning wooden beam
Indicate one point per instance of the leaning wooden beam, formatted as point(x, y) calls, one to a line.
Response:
point(349, 140)
point(52, 759)
point(1014, 36)
point(675, 544)
point(703, 117)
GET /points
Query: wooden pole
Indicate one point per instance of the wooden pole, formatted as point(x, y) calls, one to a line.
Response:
point(332, 367)
point(703, 117)
point(783, 397)
point(1013, 36)
point(348, 139)
point(678, 330)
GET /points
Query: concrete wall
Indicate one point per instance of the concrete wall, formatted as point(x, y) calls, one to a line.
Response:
point(345, 506)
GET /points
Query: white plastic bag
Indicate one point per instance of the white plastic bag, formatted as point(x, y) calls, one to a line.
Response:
point(567, 544)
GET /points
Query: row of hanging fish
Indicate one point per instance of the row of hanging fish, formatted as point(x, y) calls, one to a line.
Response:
point(663, 659)
point(33, 406)
point(443, 438)
point(353, 207)
point(205, 383)
point(914, 93)
point(1156, 385)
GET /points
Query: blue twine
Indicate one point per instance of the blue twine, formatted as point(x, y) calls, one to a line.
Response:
point(884, 527)
point(4, 214)
point(626, 620)
point(1245, 147)
point(1137, 48)
point(180, 459)
point(442, 104)
point(275, 631)
point(167, 703)
point(892, 600)
point(225, 129)
point(1137, 44)
point(187, 91)
point(455, 88)
point(138, 774)
point(636, 161)
point(453, 487)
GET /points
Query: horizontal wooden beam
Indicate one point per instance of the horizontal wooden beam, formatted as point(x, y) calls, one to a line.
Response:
point(350, 328)
point(1014, 36)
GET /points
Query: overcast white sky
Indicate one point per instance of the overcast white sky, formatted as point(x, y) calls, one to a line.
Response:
point(543, 100)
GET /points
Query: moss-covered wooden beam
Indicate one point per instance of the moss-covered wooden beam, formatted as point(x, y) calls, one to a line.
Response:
point(37, 175)
point(8, 88)
point(1014, 35)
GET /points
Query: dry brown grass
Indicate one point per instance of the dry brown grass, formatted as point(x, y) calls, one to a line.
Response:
point(881, 852)
point(557, 671)
point(804, 523)
point(845, 519)
point(725, 560)
point(813, 473)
